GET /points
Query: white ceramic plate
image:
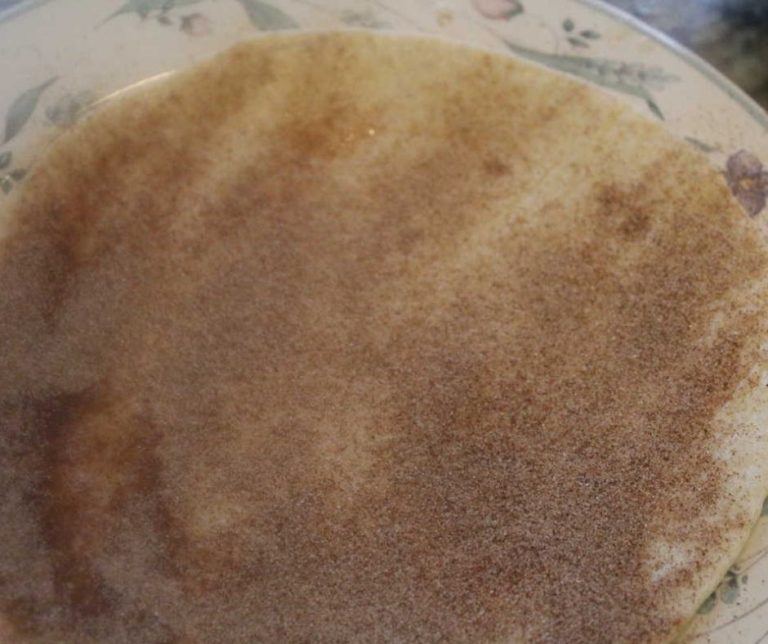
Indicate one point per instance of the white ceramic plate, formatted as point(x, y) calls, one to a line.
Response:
point(59, 59)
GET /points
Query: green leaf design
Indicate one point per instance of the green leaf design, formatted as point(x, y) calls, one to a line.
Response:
point(144, 7)
point(22, 108)
point(568, 25)
point(708, 605)
point(5, 159)
point(577, 42)
point(655, 108)
point(365, 19)
point(589, 34)
point(629, 78)
point(267, 17)
point(764, 513)
point(6, 185)
point(18, 174)
point(730, 589)
point(69, 108)
point(708, 149)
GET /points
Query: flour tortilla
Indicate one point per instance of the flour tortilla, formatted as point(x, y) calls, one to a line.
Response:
point(348, 337)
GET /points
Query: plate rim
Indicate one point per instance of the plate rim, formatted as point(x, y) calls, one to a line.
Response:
point(687, 56)
point(739, 96)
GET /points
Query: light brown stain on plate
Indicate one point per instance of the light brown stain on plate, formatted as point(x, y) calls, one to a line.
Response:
point(347, 338)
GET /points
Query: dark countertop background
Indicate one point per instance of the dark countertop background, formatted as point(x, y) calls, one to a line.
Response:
point(731, 34)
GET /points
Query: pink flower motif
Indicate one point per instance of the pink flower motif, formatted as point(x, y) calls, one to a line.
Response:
point(748, 181)
point(499, 9)
point(196, 24)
